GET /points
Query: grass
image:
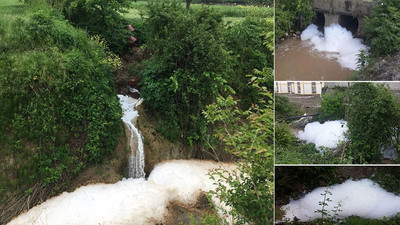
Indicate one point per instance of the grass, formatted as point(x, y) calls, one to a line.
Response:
point(12, 7)
point(230, 12)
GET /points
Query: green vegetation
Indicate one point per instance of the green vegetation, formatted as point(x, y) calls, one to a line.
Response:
point(247, 135)
point(382, 28)
point(187, 69)
point(291, 16)
point(372, 115)
point(332, 106)
point(382, 31)
point(284, 108)
point(59, 106)
point(59, 61)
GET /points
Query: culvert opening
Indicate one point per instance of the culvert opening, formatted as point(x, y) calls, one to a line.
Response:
point(319, 20)
point(349, 22)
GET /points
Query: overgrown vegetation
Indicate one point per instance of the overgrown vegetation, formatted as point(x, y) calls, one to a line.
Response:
point(382, 28)
point(382, 32)
point(332, 106)
point(291, 16)
point(59, 107)
point(372, 115)
point(192, 49)
point(249, 136)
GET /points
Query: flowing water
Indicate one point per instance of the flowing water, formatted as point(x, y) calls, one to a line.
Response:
point(362, 198)
point(314, 55)
point(134, 201)
point(130, 115)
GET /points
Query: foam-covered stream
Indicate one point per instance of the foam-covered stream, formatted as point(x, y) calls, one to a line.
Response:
point(130, 201)
point(328, 134)
point(314, 55)
point(337, 41)
point(362, 198)
point(130, 115)
point(133, 201)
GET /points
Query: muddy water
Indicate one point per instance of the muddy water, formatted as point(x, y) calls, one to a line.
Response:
point(296, 60)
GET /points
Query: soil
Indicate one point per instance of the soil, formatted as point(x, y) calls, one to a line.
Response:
point(387, 69)
point(307, 103)
point(186, 214)
point(157, 148)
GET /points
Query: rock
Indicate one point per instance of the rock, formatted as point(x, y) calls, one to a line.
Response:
point(133, 81)
point(302, 122)
point(387, 69)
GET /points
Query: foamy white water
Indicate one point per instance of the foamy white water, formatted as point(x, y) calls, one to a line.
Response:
point(130, 201)
point(337, 41)
point(327, 134)
point(362, 198)
point(136, 161)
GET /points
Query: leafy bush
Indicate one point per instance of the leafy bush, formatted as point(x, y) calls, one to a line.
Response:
point(290, 14)
point(283, 135)
point(372, 115)
point(284, 108)
point(332, 106)
point(382, 28)
point(251, 50)
point(102, 18)
point(187, 68)
point(249, 136)
point(59, 108)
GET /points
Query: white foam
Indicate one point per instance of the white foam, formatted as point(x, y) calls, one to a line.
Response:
point(136, 161)
point(337, 41)
point(327, 134)
point(130, 201)
point(362, 198)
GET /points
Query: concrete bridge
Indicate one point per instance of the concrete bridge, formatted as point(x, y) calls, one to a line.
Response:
point(347, 13)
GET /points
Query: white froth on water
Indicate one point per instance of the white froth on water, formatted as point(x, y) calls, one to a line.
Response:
point(130, 201)
point(362, 198)
point(130, 115)
point(337, 41)
point(327, 134)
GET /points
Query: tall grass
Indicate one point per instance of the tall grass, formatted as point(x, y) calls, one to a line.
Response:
point(230, 12)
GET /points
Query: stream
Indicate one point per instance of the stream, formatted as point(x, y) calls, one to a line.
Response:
point(362, 198)
point(135, 200)
point(314, 55)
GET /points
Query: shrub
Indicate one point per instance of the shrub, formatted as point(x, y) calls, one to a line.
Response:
point(382, 28)
point(249, 40)
point(284, 108)
point(332, 106)
point(102, 18)
point(291, 15)
point(187, 69)
point(59, 107)
point(372, 115)
point(247, 135)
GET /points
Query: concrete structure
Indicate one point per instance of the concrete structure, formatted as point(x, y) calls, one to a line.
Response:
point(347, 13)
point(299, 87)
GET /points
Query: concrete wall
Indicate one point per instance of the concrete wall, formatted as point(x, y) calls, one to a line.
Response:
point(332, 9)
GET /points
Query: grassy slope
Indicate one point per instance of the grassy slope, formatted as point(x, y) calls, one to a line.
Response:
point(230, 12)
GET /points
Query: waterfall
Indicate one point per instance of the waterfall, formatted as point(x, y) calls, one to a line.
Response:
point(130, 115)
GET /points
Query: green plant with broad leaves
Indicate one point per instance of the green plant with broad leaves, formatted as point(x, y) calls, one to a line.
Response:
point(247, 134)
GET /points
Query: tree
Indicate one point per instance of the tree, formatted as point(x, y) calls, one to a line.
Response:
point(188, 67)
point(102, 18)
point(372, 115)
